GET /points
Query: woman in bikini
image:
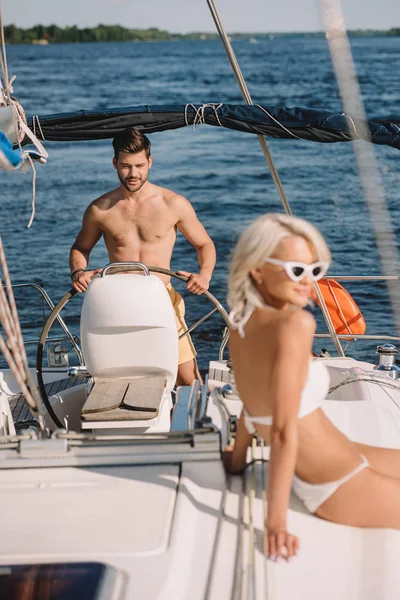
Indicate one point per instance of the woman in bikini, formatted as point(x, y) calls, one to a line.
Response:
point(273, 268)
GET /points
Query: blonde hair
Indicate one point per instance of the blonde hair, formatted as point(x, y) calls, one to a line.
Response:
point(258, 242)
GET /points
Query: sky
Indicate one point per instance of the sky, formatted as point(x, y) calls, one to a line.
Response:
point(183, 16)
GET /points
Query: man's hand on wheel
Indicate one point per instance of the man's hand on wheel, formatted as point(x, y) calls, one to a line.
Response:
point(197, 282)
point(81, 279)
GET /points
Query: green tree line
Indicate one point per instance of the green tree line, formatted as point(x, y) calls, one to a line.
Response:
point(101, 33)
point(115, 33)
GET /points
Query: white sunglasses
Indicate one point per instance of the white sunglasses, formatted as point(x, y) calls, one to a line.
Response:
point(298, 270)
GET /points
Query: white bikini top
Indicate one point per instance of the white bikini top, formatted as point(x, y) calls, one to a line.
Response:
point(314, 392)
point(315, 389)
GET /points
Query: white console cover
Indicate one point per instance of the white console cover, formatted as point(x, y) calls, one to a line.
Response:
point(128, 328)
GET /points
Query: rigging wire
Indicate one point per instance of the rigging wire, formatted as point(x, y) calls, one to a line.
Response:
point(247, 97)
point(7, 89)
point(344, 67)
point(3, 54)
point(18, 117)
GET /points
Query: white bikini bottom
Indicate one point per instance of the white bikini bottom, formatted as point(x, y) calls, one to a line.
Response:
point(312, 495)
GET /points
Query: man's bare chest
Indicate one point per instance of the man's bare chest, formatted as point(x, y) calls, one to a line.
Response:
point(126, 226)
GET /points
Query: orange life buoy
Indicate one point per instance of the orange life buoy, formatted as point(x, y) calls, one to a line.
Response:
point(345, 314)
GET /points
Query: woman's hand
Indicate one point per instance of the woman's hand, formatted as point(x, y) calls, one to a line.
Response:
point(281, 544)
point(230, 464)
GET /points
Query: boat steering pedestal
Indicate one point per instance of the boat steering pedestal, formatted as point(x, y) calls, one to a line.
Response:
point(114, 268)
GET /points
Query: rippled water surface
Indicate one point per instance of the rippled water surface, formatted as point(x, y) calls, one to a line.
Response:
point(221, 172)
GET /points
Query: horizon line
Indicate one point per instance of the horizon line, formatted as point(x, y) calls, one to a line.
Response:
point(237, 32)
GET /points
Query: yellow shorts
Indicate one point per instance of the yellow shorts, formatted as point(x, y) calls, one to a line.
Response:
point(186, 348)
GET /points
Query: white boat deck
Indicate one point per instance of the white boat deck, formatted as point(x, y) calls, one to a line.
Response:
point(162, 511)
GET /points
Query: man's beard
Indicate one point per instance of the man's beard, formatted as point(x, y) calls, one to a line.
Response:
point(130, 187)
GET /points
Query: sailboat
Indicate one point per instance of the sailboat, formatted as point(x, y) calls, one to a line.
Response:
point(112, 485)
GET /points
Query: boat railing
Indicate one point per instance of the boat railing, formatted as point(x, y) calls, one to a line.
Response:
point(74, 341)
point(362, 277)
point(68, 335)
point(360, 336)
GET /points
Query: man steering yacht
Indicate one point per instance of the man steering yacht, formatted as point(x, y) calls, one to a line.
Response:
point(139, 222)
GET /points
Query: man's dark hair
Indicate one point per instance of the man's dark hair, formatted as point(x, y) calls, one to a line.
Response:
point(131, 140)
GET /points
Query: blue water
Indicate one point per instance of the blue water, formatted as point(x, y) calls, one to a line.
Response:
point(223, 173)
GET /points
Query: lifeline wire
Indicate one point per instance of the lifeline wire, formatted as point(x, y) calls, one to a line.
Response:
point(381, 225)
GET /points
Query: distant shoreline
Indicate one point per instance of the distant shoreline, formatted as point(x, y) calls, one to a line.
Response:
point(52, 34)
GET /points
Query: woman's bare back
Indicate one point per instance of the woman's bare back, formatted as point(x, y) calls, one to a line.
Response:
point(253, 357)
point(324, 453)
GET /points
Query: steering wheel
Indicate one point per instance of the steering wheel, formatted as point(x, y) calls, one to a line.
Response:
point(116, 268)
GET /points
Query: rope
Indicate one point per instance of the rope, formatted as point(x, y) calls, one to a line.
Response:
point(33, 191)
point(14, 349)
point(353, 124)
point(38, 145)
point(4, 95)
point(199, 114)
point(36, 123)
point(277, 122)
point(17, 120)
point(17, 114)
point(381, 380)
